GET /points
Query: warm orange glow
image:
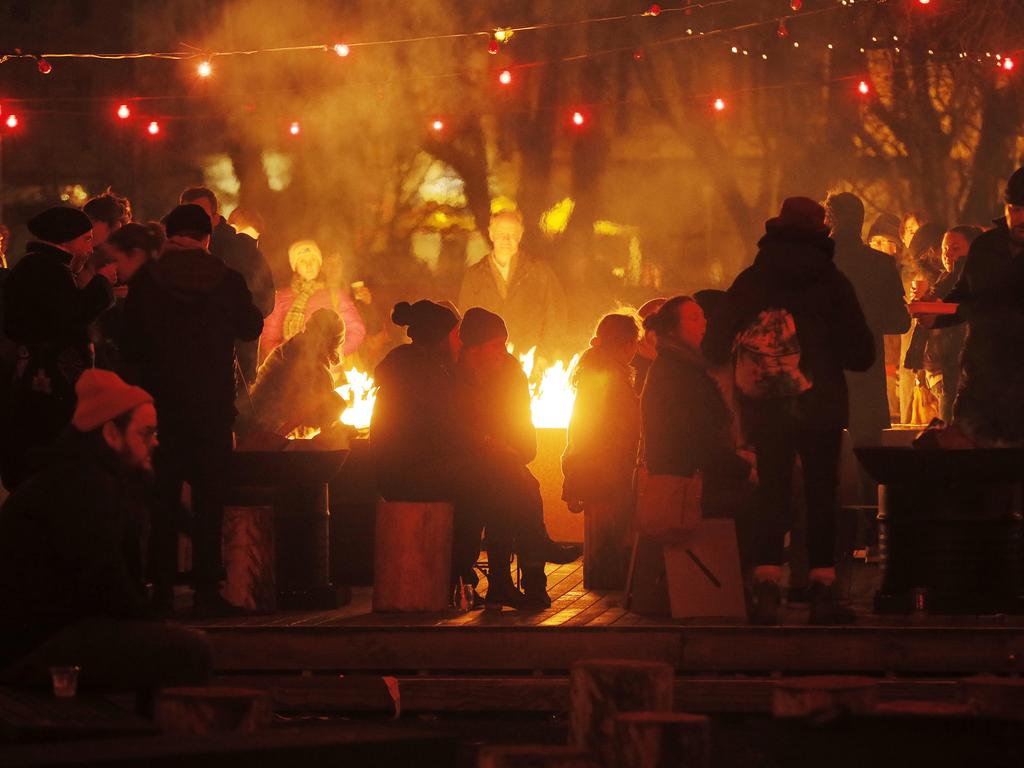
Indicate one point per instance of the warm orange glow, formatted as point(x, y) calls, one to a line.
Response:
point(551, 396)
point(342, 50)
point(124, 112)
point(294, 128)
point(437, 125)
point(205, 69)
point(719, 104)
point(505, 78)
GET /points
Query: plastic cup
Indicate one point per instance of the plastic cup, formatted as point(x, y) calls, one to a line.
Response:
point(65, 681)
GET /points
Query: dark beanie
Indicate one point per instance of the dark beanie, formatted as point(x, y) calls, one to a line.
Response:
point(799, 213)
point(427, 322)
point(187, 219)
point(480, 326)
point(59, 225)
point(1015, 188)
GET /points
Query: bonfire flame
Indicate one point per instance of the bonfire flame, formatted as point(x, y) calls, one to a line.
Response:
point(551, 396)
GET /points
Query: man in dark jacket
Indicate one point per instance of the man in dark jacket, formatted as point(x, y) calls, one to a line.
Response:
point(523, 291)
point(794, 272)
point(990, 299)
point(70, 557)
point(48, 317)
point(242, 254)
point(182, 318)
point(876, 280)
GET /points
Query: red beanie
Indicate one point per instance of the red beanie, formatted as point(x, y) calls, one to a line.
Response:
point(102, 397)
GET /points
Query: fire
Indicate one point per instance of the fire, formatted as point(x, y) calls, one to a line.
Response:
point(551, 396)
point(360, 393)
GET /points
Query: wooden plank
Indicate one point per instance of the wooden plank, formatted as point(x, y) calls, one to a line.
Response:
point(436, 648)
point(346, 744)
point(906, 650)
point(548, 693)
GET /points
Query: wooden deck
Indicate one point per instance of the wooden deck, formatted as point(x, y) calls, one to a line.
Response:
point(479, 661)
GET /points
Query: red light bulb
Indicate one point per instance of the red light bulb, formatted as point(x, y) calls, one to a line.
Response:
point(153, 128)
point(782, 30)
point(578, 118)
point(44, 67)
point(719, 104)
point(294, 128)
point(11, 121)
point(863, 87)
point(492, 47)
point(505, 78)
point(796, 5)
point(654, 10)
point(124, 112)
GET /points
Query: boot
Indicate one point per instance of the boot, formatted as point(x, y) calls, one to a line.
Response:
point(535, 585)
point(767, 599)
point(824, 608)
point(500, 589)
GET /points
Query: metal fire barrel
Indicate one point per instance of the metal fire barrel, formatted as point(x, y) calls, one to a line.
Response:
point(294, 484)
point(952, 528)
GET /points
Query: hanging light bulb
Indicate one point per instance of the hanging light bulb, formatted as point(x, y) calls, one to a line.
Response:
point(863, 88)
point(11, 121)
point(493, 47)
point(437, 125)
point(653, 10)
point(44, 66)
point(782, 30)
point(205, 69)
point(124, 112)
point(505, 77)
point(342, 50)
point(153, 128)
point(294, 128)
point(719, 104)
point(578, 118)
point(1008, 64)
point(796, 5)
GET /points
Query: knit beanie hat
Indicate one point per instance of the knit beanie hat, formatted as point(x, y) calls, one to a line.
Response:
point(480, 326)
point(427, 322)
point(799, 213)
point(102, 397)
point(59, 225)
point(648, 308)
point(187, 219)
point(1015, 188)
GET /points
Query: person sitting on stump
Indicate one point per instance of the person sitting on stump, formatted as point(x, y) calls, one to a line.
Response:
point(70, 557)
point(294, 386)
point(494, 399)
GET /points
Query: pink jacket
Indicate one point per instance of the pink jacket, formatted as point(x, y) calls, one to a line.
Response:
point(273, 326)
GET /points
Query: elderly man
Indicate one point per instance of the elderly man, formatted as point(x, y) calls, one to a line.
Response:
point(990, 299)
point(70, 557)
point(48, 317)
point(525, 292)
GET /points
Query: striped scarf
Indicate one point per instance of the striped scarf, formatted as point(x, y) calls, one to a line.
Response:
point(295, 319)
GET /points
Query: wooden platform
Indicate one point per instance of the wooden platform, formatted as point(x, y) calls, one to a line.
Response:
point(336, 660)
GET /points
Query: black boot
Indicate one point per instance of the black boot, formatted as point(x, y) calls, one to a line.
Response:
point(824, 608)
point(765, 607)
point(500, 589)
point(535, 585)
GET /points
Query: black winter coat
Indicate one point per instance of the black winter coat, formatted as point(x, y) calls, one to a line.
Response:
point(242, 254)
point(990, 295)
point(879, 288)
point(182, 317)
point(495, 413)
point(794, 270)
point(415, 435)
point(686, 423)
point(69, 547)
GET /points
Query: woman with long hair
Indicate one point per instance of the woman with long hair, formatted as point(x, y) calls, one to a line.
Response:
point(600, 456)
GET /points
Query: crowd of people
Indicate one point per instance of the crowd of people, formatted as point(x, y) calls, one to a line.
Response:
point(114, 328)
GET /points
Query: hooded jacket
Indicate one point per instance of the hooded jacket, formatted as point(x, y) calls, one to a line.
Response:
point(70, 547)
point(182, 317)
point(794, 270)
